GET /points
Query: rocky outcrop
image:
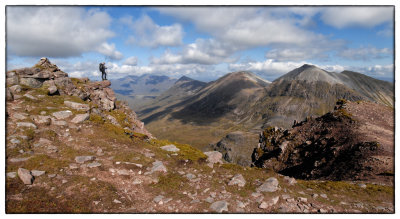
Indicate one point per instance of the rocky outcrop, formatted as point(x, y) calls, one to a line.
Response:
point(339, 145)
point(48, 76)
point(236, 147)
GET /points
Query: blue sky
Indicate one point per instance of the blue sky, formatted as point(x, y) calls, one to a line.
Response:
point(202, 42)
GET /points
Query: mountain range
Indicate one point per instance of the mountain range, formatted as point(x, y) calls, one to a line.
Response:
point(136, 90)
point(242, 101)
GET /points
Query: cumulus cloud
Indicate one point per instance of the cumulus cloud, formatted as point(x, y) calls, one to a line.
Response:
point(341, 17)
point(148, 33)
point(202, 51)
point(240, 28)
point(243, 26)
point(57, 31)
point(376, 70)
point(110, 51)
point(268, 68)
point(132, 61)
point(365, 53)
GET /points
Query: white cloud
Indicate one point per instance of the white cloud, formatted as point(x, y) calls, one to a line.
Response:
point(148, 33)
point(240, 28)
point(203, 51)
point(243, 26)
point(268, 68)
point(110, 51)
point(295, 54)
point(365, 53)
point(56, 31)
point(376, 70)
point(132, 61)
point(341, 17)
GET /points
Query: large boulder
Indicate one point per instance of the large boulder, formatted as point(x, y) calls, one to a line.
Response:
point(26, 176)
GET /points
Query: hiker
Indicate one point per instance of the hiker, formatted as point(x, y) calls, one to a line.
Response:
point(103, 68)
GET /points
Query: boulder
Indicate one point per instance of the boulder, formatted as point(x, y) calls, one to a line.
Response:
point(238, 179)
point(83, 159)
point(26, 176)
point(270, 185)
point(26, 125)
point(77, 106)
point(170, 147)
point(31, 82)
point(213, 157)
point(219, 206)
point(46, 120)
point(15, 89)
point(62, 114)
point(12, 79)
point(80, 118)
point(52, 90)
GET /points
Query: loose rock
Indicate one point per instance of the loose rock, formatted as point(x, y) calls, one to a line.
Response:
point(77, 106)
point(26, 125)
point(83, 159)
point(37, 172)
point(270, 185)
point(80, 118)
point(238, 179)
point(94, 164)
point(25, 176)
point(11, 174)
point(170, 147)
point(219, 206)
point(62, 114)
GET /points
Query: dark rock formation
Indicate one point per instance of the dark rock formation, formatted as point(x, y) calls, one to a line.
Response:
point(334, 146)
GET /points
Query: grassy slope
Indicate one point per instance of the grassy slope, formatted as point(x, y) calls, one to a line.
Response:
point(80, 192)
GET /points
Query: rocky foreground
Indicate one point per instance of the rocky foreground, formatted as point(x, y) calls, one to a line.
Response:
point(72, 147)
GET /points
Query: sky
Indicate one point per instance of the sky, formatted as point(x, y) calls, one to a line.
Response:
point(203, 43)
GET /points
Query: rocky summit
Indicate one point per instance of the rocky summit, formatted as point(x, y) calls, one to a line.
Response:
point(72, 147)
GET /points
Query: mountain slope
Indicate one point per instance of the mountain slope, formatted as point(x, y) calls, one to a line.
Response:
point(353, 142)
point(227, 96)
point(183, 87)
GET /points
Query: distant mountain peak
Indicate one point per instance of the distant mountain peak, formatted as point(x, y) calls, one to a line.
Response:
point(184, 79)
point(311, 73)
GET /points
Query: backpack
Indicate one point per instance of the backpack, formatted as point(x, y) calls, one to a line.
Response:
point(101, 67)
